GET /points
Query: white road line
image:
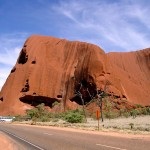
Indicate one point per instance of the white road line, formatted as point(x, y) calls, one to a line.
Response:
point(24, 140)
point(110, 146)
point(48, 134)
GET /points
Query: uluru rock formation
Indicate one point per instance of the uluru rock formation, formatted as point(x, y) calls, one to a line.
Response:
point(51, 70)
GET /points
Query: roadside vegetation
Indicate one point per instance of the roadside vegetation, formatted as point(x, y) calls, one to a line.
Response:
point(123, 119)
point(40, 114)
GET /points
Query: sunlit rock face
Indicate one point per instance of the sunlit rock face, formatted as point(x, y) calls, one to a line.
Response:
point(52, 71)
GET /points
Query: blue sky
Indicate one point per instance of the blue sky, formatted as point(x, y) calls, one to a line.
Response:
point(114, 25)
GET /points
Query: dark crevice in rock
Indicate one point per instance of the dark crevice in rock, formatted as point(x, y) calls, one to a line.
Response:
point(23, 58)
point(33, 62)
point(59, 96)
point(123, 96)
point(13, 69)
point(77, 99)
point(87, 89)
point(26, 87)
point(1, 99)
point(36, 100)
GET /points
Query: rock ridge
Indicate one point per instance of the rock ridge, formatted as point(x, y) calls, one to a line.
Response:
point(50, 70)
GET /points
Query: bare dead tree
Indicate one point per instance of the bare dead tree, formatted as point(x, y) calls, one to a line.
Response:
point(82, 100)
point(100, 96)
point(80, 94)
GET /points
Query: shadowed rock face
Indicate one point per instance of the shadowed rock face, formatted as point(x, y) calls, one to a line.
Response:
point(51, 70)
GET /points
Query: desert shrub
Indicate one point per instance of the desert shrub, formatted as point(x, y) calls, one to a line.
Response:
point(39, 113)
point(134, 113)
point(145, 111)
point(110, 114)
point(148, 110)
point(131, 125)
point(21, 118)
point(138, 106)
point(126, 114)
point(32, 113)
point(18, 118)
point(45, 118)
point(58, 115)
point(74, 116)
point(55, 103)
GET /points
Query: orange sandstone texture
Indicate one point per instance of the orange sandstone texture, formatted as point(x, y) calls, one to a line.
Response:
point(51, 70)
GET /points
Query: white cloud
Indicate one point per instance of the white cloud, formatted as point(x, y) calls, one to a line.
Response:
point(4, 72)
point(118, 25)
point(10, 46)
point(8, 57)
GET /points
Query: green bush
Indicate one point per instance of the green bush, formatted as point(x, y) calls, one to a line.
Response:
point(145, 111)
point(142, 110)
point(134, 113)
point(74, 116)
point(32, 113)
point(45, 118)
point(39, 113)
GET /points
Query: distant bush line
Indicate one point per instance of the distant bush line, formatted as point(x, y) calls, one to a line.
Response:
point(40, 114)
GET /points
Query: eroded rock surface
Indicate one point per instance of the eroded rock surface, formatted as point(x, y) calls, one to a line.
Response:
point(51, 70)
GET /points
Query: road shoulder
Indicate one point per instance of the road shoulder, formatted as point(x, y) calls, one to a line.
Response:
point(6, 142)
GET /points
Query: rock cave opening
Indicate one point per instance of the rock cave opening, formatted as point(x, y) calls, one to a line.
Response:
point(26, 87)
point(33, 62)
point(1, 99)
point(85, 91)
point(59, 96)
point(13, 69)
point(23, 58)
point(36, 100)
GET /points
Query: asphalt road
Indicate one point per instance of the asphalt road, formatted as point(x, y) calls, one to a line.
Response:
point(37, 138)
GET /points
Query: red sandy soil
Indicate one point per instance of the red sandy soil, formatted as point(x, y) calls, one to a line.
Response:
point(6, 143)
